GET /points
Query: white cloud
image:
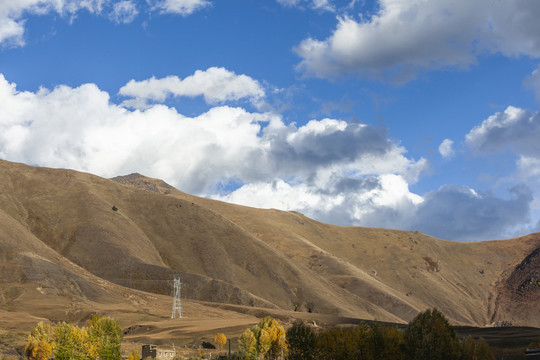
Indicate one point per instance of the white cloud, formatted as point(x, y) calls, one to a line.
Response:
point(216, 85)
point(13, 14)
point(342, 200)
point(458, 212)
point(406, 37)
point(515, 128)
point(446, 148)
point(348, 174)
point(124, 12)
point(516, 131)
point(452, 212)
point(79, 128)
point(182, 7)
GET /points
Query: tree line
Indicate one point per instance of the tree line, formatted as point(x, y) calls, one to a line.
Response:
point(99, 339)
point(427, 337)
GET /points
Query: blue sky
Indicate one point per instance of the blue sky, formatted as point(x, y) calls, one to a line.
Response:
point(417, 115)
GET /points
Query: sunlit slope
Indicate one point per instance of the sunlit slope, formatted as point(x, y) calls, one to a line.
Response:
point(152, 237)
point(403, 272)
point(238, 255)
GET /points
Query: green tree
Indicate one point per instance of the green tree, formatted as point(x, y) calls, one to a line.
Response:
point(429, 336)
point(387, 342)
point(106, 335)
point(483, 351)
point(344, 344)
point(73, 343)
point(301, 340)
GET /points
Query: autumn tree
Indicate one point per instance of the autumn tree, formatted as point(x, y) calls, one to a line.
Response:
point(429, 336)
point(220, 339)
point(345, 344)
point(301, 341)
point(105, 334)
point(266, 340)
point(40, 342)
point(386, 342)
point(73, 343)
point(247, 345)
point(99, 340)
point(476, 350)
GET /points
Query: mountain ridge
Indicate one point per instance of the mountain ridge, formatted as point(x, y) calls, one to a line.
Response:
point(243, 256)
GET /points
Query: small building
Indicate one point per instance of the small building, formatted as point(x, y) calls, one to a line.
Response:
point(533, 354)
point(158, 352)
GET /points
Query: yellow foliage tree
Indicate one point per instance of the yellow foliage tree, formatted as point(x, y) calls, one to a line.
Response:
point(270, 339)
point(38, 350)
point(40, 342)
point(220, 339)
point(247, 344)
point(100, 340)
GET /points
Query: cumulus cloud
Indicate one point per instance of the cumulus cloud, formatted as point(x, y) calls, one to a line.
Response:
point(216, 85)
point(452, 212)
point(182, 7)
point(515, 128)
point(79, 128)
point(461, 213)
point(382, 200)
point(446, 148)
point(13, 14)
point(341, 173)
point(516, 131)
point(406, 37)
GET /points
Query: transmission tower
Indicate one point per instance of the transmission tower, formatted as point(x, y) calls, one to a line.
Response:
point(177, 302)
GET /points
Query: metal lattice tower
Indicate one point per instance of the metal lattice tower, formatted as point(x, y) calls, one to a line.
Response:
point(177, 302)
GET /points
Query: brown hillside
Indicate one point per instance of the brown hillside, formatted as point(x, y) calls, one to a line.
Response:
point(63, 248)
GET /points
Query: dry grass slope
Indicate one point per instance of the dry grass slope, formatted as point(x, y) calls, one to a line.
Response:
point(65, 253)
